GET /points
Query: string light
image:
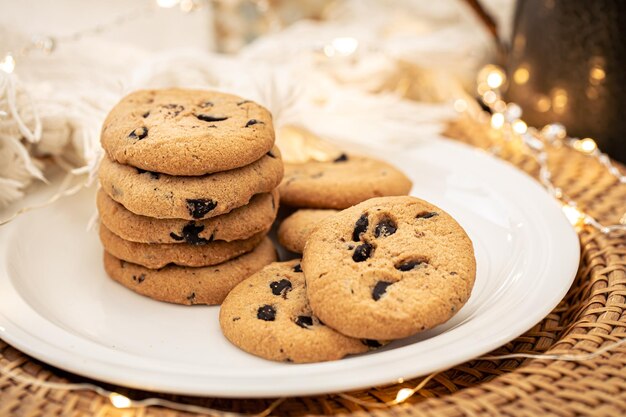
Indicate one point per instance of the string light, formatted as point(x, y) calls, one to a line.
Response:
point(509, 120)
point(119, 400)
point(7, 64)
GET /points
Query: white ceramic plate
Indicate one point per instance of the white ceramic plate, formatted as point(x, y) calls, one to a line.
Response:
point(57, 304)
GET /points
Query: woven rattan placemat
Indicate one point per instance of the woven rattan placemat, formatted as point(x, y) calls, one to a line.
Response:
point(591, 315)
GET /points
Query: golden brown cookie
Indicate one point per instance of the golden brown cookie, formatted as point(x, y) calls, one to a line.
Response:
point(166, 197)
point(295, 229)
point(157, 255)
point(388, 268)
point(184, 285)
point(186, 132)
point(241, 223)
point(339, 184)
point(268, 315)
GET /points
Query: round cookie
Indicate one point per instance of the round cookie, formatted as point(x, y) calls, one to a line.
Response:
point(157, 255)
point(186, 132)
point(241, 223)
point(182, 285)
point(294, 231)
point(192, 198)
point(388, 268)
point(268, 315)
point(342, 183)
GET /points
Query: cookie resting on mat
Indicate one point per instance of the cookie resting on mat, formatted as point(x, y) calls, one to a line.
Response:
point(240, 223)
point(388, 268)
point(294, 231)
point(342, 183)
point(192, 198)
point(186, 132)
point(268, 315)
point(185, 285)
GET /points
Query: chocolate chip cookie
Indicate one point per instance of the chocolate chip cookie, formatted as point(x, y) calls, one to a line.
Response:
point(192, 198)
point(157, 255)
point(241, 223)
point(341, 183)
point(268, 315)
point(295, 229)
point(184, 285)
point(186, 132)
point(388, 268)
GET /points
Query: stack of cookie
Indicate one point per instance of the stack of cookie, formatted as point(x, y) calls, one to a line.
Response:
point(319, 189)
point(385, 269)
point(188, 193)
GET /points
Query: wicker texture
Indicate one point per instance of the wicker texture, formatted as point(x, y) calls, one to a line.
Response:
point(591, 315)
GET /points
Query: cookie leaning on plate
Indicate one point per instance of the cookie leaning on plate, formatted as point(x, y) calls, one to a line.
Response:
point(240, 223)
point(388, 268)
point(294, 231)
point(164, 196)
point(268, 315)
point(186, 132)
point(342, 183)
point(158, 255)
point(184, 285)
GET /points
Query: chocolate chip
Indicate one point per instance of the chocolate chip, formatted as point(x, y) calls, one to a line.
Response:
point(304, 321)
point(206, 104)
point(362, 252)
point(176, 109)
point(386, 227)
point(426, 214)
point(281, 287)
point(297, 268)
point(139, 278)
point(146, 114)
point(270, 154)
point(408, 265)
point(266, 313)
point(176, 237)
point(209, 118)
point(139, 133)
point(360, 227)
point(198, 208)
point(154, 175)
point(341, 158)
point(453, 273)
point(236, 318)
point(371, 343)
point(252, 122)
point(243, 102)
point(379, 289)
point(191, 297)
point(190, 234)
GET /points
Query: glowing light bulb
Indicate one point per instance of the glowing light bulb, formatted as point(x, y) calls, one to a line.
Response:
point(575, 217)
point(497, 120)
point(519, 127)
point(490, 97)
point(554, 131)
point(167, 4)
point(460, 105)
point(521, 75)
point(403, 394)
point(345, 46)
point(495, 79)
point(586, 145)
point(7, 64)
point(119, 400)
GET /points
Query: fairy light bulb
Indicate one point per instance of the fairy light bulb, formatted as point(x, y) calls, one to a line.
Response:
point(519, 127)
point(460, 105)
point(586, 145)
point(575, 216)
point(119, 400)
point(497, 120)
point(490, 97)
point(403, 395)
point(167, 4)
point(7, 64)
